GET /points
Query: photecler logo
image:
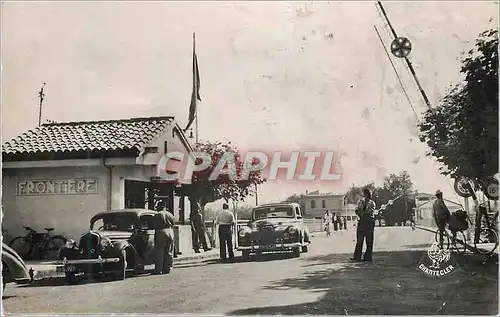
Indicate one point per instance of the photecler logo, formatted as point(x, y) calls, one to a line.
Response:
point(295, 165)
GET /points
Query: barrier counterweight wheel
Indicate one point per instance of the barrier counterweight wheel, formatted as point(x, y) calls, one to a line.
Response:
point(401, 47)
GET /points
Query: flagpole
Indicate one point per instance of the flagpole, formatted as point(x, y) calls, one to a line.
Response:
point(196, 113)
point(196, 123)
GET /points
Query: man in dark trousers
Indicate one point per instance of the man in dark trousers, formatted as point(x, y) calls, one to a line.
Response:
point(164, 242)
point(225, 221)
point(198, 230)
point(441, 215)
point(365, 228)
point(335, 222)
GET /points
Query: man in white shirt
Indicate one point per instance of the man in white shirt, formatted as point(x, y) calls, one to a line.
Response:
point(225, 221)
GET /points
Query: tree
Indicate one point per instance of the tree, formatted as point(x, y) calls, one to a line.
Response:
point(205, 190)
point(397, 185)
point(462, 133)
point(355, 193)
point(299, 199)
point(393, 186)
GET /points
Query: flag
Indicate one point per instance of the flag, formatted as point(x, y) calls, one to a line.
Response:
point(195, 95)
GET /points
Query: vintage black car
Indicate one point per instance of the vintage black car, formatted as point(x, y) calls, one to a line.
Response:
point(118, 241)
point(274, 228)
point(13, 267)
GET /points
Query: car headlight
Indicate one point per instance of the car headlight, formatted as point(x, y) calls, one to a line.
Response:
point(244, 232)
point(105, 242)
point(292, 230)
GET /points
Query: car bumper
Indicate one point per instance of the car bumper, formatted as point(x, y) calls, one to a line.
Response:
point(85, 265)
point(88, 261)
point(274, 247)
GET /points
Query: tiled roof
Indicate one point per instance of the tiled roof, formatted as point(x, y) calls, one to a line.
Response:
point(114, 135)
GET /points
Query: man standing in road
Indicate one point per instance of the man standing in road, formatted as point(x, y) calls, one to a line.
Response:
point(365, 228)
point(198, 230)
point(164, 241)
point(441, 215)
point(225, 221)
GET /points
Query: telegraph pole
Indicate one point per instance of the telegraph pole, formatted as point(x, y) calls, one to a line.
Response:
point(41, 96)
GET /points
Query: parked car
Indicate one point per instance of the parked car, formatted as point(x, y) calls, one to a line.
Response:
point(274, 228)
point(117, 241)
point(13, 267)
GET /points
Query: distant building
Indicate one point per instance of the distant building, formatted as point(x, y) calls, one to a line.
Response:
point(423, 211)
point(316, 204)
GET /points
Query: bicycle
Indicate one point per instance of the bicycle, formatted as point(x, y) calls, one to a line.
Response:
point(486, 238)
point(43, 243)
point(485, 242)
point(458, 241)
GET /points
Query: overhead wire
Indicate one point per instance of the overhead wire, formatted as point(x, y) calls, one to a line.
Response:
point(397, 74)
point(386, 26)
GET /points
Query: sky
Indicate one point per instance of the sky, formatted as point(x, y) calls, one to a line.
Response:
point(274, 75)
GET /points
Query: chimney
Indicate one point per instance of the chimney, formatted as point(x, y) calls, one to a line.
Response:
point(307, 192)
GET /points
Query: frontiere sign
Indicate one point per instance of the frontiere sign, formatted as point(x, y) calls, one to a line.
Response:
point(57, 187)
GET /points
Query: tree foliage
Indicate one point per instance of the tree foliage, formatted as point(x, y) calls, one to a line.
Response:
point(393, 186)
point(462, 133)
point(299, 199)
point(224, 186)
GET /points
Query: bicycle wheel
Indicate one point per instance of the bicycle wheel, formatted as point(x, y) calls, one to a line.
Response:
point(446, 240)
point(22, 245)
point(460, 243)
point(53, 246)
point(487, 242)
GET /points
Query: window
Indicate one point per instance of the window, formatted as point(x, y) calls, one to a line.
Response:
point(323, 203)
point(354, 217)
point(151, 149)
point(313, 204)
point(165, 147)
point(297, 211)
point(349, 218)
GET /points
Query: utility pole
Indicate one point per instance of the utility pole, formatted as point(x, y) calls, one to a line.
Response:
point(41, 96)
point(408, 62)
point(256, 196)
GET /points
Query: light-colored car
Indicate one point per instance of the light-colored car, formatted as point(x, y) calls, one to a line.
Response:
point(273, 228)
point(13, 267)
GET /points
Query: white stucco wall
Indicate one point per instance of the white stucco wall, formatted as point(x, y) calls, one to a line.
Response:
point(69, 214)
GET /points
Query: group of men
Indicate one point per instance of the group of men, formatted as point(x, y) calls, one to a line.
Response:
point(225, 222)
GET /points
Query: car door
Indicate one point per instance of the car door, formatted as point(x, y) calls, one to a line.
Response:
point(146, 235)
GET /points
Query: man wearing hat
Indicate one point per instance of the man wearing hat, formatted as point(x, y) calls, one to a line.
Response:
point(441, 215)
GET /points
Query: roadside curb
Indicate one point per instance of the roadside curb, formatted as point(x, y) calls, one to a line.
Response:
point(47, 271)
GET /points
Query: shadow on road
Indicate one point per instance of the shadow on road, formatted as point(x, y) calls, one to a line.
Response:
point(238, 259)
point(391, 285)
point(81, 280)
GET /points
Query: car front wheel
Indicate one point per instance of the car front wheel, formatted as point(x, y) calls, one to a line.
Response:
point(120, 274)
point(305, 248)
point(296, 252)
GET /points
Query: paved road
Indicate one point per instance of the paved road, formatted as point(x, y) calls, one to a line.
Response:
point(211, 287)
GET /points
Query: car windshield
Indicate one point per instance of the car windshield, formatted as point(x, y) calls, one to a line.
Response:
point(273, 212)
point(114, 222)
